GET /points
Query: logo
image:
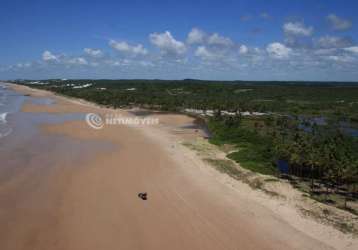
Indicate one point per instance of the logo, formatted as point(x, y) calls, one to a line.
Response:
point(94, 121)
point(97, 122)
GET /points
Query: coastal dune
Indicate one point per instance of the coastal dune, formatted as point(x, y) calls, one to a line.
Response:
point(92, 203)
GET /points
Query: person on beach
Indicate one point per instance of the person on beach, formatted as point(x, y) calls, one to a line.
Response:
point(143, 196)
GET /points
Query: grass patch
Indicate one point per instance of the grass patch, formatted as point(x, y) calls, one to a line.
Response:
point(199, 146)
point(251, 159)
point(255, 151)
point(324, 216)
point(320, 194)
point(256, 183)
point(227, 148)
point(229, 168)
point(225, 166)
point(271, 180)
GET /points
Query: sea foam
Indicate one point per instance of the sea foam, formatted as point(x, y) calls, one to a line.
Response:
point(6, 132)
point(3, 118)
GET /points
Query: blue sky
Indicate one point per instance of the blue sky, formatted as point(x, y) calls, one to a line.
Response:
point(255, 40)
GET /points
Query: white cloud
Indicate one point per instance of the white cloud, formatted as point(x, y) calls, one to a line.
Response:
point(124, 47)
point(204, 53)
point(209, 52)
point(327, 42)
point(146, 64)
point(23, 65)
point(278, 50)
point(217, 40)
point(297, 29)
point(47, 56)
point(214, 41)
point(353, 49)
point(243, 50)
point(338, 23)
point(121, 62)
point(196, 36)
point(167, 43)
point(93, 52)
point(77, 61)
point(325, 51)
point(218, 58)
point(257, 50)
point(340, 58)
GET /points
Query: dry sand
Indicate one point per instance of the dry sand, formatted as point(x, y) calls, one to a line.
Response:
point(190, 205)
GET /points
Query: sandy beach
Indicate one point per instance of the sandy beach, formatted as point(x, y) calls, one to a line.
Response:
point(86, 199)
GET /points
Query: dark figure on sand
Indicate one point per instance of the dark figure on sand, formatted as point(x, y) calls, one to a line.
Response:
point(143, 196)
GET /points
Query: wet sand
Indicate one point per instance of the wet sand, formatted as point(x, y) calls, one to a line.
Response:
point(89, 201)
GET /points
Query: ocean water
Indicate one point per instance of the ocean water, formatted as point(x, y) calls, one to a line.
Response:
point(10, 103)
point(24, 146)
point(12, 120)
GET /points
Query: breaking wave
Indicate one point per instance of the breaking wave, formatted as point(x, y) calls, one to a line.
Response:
point(3, 118)
point(5, 130)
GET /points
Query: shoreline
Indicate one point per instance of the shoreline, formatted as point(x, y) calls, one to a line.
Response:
point(205, 185)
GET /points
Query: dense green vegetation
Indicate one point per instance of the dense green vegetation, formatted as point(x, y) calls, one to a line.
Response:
point(307, 126)
point(254, 149)
point(322, 156)
point(293, 97)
